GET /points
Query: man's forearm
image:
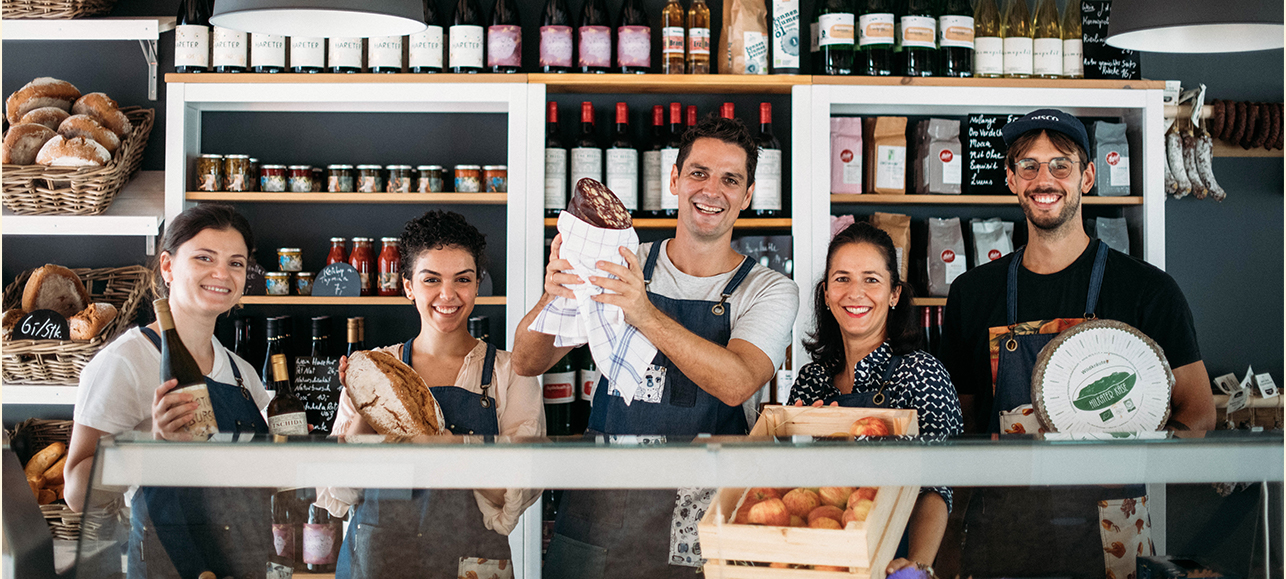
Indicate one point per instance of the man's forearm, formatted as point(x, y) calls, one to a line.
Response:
point(534, 352)
point(731, 374)
point(1192, 403)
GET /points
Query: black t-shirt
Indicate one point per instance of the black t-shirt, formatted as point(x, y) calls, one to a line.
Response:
point(1134, 292)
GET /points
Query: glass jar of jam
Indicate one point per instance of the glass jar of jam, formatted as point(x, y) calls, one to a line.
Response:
point(339, 178)
point(430, 179)
point(318, 179)
point(290, 259)
point(272, 178)
point(304, 283)
point(399, 178)
point(278, 283)
point(301, 179)
point(390, 267)
point(209, 173)
point(236, 173)
point(495, 178)
point(336, 254)
point(369, 179)
point(363, 259)
point(468, 178)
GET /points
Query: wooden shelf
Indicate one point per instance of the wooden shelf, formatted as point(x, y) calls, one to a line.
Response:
point(330, 78)
point(261, 197)
point(671, 223)
point(989, 82)
point(669, 83)
point(88, 28)
point(873, 199)
point(350, 301)
point(1226, 149)
point(922, 302)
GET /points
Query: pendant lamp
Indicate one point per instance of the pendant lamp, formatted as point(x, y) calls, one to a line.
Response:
point(321, 18)
point(1193, 26)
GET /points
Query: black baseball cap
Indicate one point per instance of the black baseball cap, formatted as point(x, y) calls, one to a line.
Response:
point(1049, 120)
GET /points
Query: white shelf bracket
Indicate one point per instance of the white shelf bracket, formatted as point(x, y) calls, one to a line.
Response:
point(149, 245)
point(149, 54)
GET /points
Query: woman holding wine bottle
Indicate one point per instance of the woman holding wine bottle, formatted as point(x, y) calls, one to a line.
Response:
point(443, 260)
point(200, 273)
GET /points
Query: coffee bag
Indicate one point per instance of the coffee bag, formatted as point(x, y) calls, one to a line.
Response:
point(1111, 160)
point(886, 155)
point(946, 254)
point(846, 155)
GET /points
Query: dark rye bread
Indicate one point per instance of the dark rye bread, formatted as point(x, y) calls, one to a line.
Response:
point(390, 396)
point(595, 204)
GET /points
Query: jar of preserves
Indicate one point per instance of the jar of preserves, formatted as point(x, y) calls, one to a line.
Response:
point(304, 283)
point(301, 178)
point(430, 179)
point(254, 175)
point(363, 259)
point(390, 267)
point(369, 179)
point(468, 178)
point(209, 173)
point(290, 259)
point(278, 283)
point(495, 178)
point(339, 178)
point(336, 254)
point(399, 178)
point(272, 178)
point(236, 173)
point(318, 179)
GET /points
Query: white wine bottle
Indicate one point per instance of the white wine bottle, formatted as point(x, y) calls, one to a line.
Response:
point(1073, 51)
point(988, 41)
point(1047, 46)
point(1016, 28)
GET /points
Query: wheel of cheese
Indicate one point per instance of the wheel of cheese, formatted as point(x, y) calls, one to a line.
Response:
point(1102, 376)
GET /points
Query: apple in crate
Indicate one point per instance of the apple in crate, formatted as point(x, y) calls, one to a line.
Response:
point(859, 494)
point(825, 511)
point(859, 510)
point(869, 426)
point(798, 521)
point(742, 517)
point(801, 502)
point(771, 512)
point(762, 494)
point(825, 523)
point(835, 496)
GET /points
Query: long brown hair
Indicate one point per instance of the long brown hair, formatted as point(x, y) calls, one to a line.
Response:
point(192, 222)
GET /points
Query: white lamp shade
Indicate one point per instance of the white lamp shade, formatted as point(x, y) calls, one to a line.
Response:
point(321, 18)
point(1196, 26)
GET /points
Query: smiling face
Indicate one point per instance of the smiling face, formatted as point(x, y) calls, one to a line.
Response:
point(444, 286)
point(208, 272)
point(1051, 204)
point(711, 187)
point(859, 291)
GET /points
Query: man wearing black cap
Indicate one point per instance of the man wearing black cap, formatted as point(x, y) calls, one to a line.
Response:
point(1059, 279)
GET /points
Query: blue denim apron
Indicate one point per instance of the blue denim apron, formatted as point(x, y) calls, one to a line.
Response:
point(875, 399)
point(626, 533)
point(404, 533)
point(180, 532)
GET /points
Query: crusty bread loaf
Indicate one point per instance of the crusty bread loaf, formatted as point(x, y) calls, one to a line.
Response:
point(104, 110)
point(74, 152)
point(44, 459)
point(9, 321)
point(42, 92)
point(595, 204)
point(23, 142)
point(390, 396)
point(90, 321)
point(48, 116)
point(85, 126)
point(54, 287)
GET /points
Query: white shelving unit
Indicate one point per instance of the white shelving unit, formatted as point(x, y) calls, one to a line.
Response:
point(27, 394)
point(145, 30)
point(138, 210)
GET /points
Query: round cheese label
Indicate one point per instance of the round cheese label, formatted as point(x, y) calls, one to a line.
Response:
point(1102, 376)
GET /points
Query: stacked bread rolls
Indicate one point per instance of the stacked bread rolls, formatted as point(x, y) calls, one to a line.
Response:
point(52, 124)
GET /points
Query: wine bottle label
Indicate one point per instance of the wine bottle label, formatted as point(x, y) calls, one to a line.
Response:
point(988, 55)
point(466, 46)
point(426, 48)
point(555, 178)
point(669, 156)
point(918, 31)
point(833, 29)
point(595, 46)
point(652, 182)
point(1018, 55)
point(587, 162)
point(1047, 56)
point(955, 31)
point(634, 46)
point(698, 41)
point(767, 181)
point(504, 45)
point(192, 45)
point(320, 543)
point(1073, 58)
point(623, 176)
point(785, 33)
point(307, 52)
point(589, 385)
point(283, 540)
point(345, 52)
point(289, 424)
point(229, 47)
point(672, 40)
point(558, 387)
point(203, 424)
point(385, 52)
point(755, 52)
point(267, 50)
point(556, 46)
point(813, 33)
point(875, 29)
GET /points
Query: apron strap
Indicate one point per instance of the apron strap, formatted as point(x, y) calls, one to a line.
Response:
point(894, 362)
point(747, 264)
point(406, 352)
point(153, 336)
point(1011, 288)
point(650, 265)
point(1096, 279)
point(488, 368)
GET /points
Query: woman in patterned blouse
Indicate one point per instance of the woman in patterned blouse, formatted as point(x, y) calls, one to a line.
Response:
point(866, 330)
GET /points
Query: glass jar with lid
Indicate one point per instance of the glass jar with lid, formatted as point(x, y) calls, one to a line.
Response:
point(304, 283)
point(209, 173)
point(290, 259)
point(363, 259)
point(301, 178)
point(272, 178)
point(318, 179)
point(277, 283)
point(468, 178)
point(236, 173)
point(430, 179)
point(336, 254)
point(399, 178)
point(390, 267)
point(495, 178)
point(369, 179)
point(339, 178)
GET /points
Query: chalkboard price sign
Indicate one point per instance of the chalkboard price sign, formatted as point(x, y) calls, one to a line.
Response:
point(317, 386)
point(338, 279)
point(1101, 60)
point(42, 325)
point(985, 151)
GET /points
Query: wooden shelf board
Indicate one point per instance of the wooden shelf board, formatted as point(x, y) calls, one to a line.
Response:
point(1226, 149)
point(928, 302)
point(356, 78)
point(873, 199)
point(88, 28)
point(988, 82)
point(261, 197)
point(349, 301)
point(671, 223)
point(669, 83)
point(138, 209)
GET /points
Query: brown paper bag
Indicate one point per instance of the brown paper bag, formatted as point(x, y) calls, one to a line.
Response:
point(743, 46)
point(898, 226)
point(886, 155)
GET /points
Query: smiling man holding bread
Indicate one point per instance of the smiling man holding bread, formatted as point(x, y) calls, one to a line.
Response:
point(721, 324)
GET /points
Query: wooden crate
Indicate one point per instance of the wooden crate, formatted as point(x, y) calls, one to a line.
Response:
point(864, 547)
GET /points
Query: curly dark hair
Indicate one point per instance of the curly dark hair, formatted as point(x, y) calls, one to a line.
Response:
point(825, 343)
point(731, 131)
point(437, 229)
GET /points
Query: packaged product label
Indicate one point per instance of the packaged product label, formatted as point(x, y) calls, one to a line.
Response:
point(229, 47)
point(267, 50)
point(672, 40)
point(426, 48)
point(1018, 55)
point(890, 168)
point(555, 178)
point(309, 52)
point(1073, 58)
point(1118, 172)
point(587, 162)
point(785, 33)
point(918, 31)
point(767, 181)
point(385, 52)
point(989, 240)
point(952, 168)
point(846, 155)
point(652, 182)
point(755, 46)
point(283, 540)
point(812, 35)
point(559, 387)
point(988, 55)
point(835, 29)
point(946, 254)
point(191, 45)
point(1047, 56)
point(875, 29)
point(955, 31)
point(345, 52)
point(595, 44)
point(588, 385)
point(634, 46)
point(699, 41)
point(556, 46)
point(466, 46)
point(504, 45)
point(623, 176)
point(321, 543)
point(291, 424)
point(668, 158)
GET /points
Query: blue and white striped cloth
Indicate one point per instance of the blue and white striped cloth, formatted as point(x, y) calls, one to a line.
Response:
point(620, 351)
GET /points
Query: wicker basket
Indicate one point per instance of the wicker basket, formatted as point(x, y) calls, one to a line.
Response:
point(58, 363)
point(54, 9)
point(41, 190)
point(65, 523)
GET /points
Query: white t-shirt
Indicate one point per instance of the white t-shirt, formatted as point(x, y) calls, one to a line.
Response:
point(118, 385)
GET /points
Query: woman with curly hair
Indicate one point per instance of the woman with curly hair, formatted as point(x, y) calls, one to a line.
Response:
point(474, 384)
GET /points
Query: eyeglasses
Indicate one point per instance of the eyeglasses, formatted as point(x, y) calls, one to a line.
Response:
point(1059, 167)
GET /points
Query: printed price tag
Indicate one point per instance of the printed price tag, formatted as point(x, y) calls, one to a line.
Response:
point(1267, 388)
point(1227, 383)
point(42, 325)
point(1238, 400)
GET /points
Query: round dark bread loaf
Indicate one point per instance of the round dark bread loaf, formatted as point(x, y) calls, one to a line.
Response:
point(596, 205)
